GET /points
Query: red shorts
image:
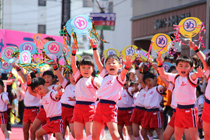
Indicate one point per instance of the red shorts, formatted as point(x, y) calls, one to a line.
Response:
point(30, 114)
point(83, 113)
point(153, 118)
point(3, 117)
point(106, 112)
point(172, 121)
point(137, 115)
point(186, 118)
point(206, 112)
point(42, 116)
point(67, 114)
point(54, 125)
point(123, 116)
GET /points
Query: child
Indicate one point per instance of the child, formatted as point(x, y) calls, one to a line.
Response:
point(125, 109)
point(206, 110)
point(52, 106)
point(185, 88)
point(31, 105)
point(152, 118)
point(4, 105)
point(109, 92)
point(85, 92)
point(67, 99)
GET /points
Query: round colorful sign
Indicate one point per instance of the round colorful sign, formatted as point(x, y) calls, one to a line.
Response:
point(81, 24)
point(111, 51)
point(37, 37)
point(190, 27)
point(129, 50)
point(166, 66)
point(25, 57)
point(5, 67)
point(7, 53)
point(160, 43)
point(143, 55)
point(206, 52)
point(53, 47)
point(68, 27)
point(28, 46)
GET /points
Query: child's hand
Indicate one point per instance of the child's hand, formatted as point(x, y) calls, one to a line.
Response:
point(192, 45)
point(74, 48)
point(199, 72)
point(159, 59)
point(128, 62)
point(155, 66)
point(93, 43)
point(9, 106)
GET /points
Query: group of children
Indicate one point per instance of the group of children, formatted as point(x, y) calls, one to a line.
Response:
point(120, 96)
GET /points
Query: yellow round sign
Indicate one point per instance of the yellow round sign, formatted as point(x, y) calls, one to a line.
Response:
point(160, 43)
point(190, 27)
point(129, 50)
point(37, 37)
point(110, 51)
point(143, 55)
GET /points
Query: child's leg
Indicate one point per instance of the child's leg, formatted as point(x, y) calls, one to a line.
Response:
point(130, 132)
point(71, 127)
point(178, 132)
point(39, 133)
point(135, 130)
point(206, 128)
point(78, 129)
point(159, 132)
point(187, 134)
point(194, 133)
point(97, 127)
point(144, 133)
point(59, 136)
point(120, 129)
point(26, 127)
point(169, 131)
point(88, 128)
point(112, 126)
point(4, 130)
point(34, 127)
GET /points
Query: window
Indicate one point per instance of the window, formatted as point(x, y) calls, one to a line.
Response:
point(87, 3)
point(41, 2)
point(42, 29)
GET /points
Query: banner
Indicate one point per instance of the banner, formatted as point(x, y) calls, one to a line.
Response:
point(11, 38)
point(104, 21)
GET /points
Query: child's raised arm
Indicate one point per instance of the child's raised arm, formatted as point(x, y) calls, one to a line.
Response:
point(30, 91)
point(96, 55)
point(197, 74)
point(160, 67)
point(200, 54)
point(128, 64)
point(73, 58)
point(20, 73)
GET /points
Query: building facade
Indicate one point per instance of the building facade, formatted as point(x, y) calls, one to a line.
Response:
point(151, 17)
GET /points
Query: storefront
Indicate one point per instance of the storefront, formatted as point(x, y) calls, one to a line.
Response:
point(147, 25)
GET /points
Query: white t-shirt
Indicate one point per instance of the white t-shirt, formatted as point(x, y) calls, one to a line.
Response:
point(153, 98)
point(69, 93)
point(51, 104)
point(185, 92)
point(200, 103)
point(207, 91)
point(111, 87)
point(126, 99)
point(173, 100)
point(85, 88)
point(3, 98)
point(140, 97)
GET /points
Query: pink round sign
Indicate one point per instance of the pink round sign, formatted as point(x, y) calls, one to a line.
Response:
point(53, 48)
point(80, 23)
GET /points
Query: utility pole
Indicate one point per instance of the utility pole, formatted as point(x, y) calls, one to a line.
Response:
point(66, 12)
point(101, 33)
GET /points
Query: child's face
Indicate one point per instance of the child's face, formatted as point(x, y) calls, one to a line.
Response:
point(183, 68)
point(40, 90)
point(1, 88)
point(72, 81)
point(150, 82)
point(132, 76)
point(112, 66)
point(48, 80)
point(86, 70)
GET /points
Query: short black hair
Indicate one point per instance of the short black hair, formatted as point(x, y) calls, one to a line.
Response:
point(36, 82)
point(171, 68)
point(32, 75)
point(49, 38)
point(148, 75)
point(48, 72)
point(2, 83)
point(132, 83)
point(86, 60)
point(184, 59)
point(113, 56)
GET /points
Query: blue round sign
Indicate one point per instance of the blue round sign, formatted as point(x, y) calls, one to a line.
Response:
point(53, 47)
point(28, 46)
point(25, 57)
